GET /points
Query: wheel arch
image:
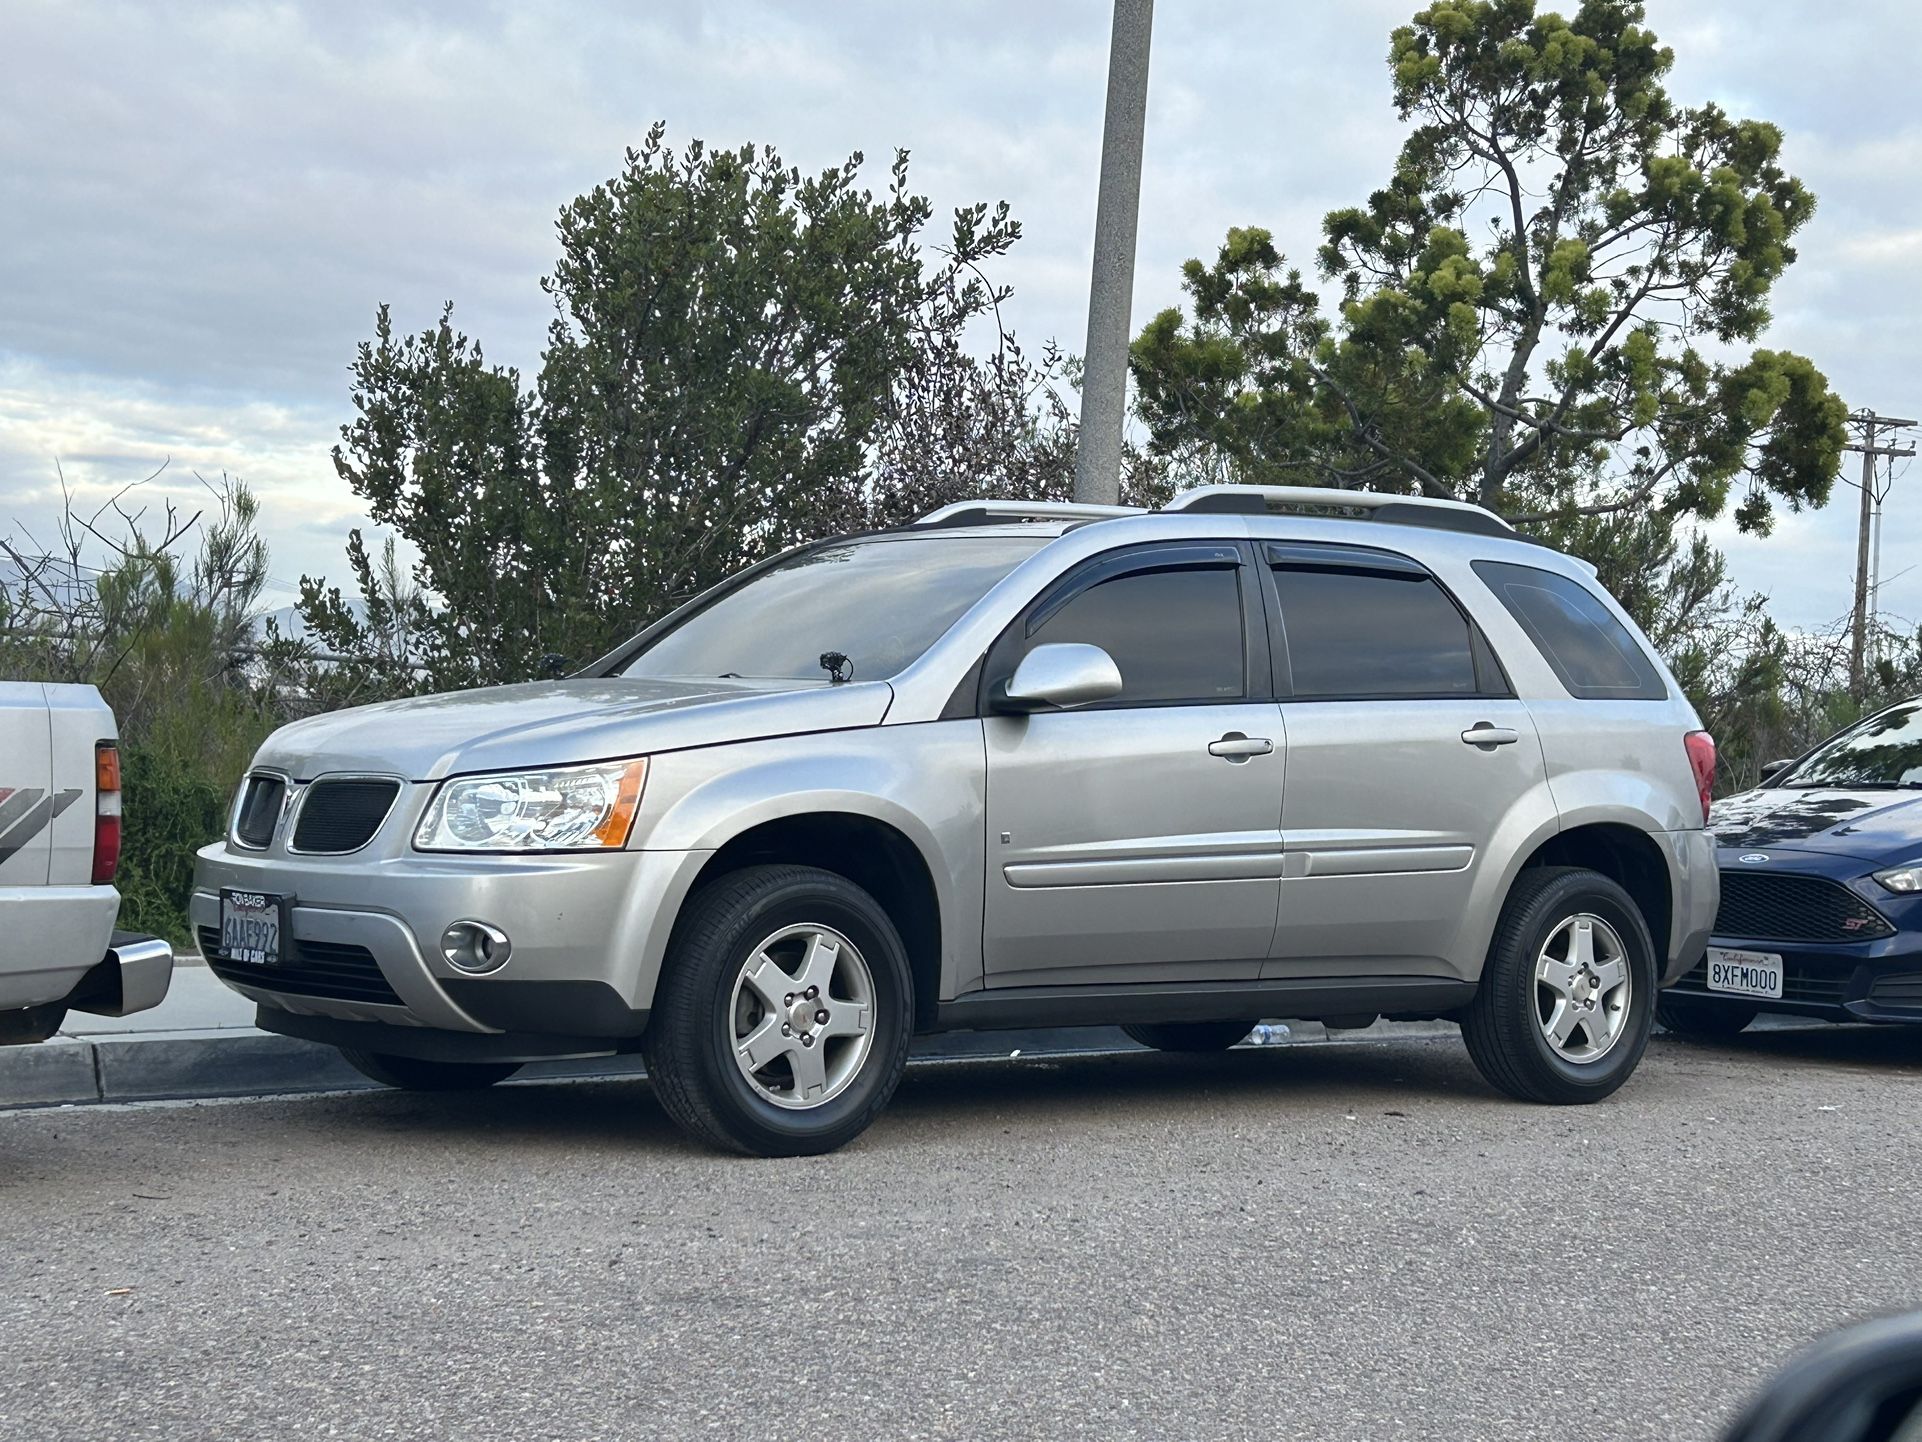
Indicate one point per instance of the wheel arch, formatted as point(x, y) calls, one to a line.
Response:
point(874, 854)
point(1626, 855)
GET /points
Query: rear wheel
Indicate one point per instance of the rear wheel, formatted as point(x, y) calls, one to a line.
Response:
point(31, 1024)
point(782, 1019)
point(415, 1074)
point(1567, 994)
point(1698, 1016)
point(1189, 1035)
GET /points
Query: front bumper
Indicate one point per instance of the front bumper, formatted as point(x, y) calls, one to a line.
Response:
point(588, 932)
point(1834, 978)
point(1877, 981)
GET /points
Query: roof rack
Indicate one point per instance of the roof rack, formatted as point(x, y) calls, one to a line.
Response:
point(998, 513)
point(1401, 510)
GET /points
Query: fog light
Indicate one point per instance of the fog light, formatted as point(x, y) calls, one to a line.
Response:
point(475, 946)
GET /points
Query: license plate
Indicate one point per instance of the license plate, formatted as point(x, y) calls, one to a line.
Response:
point(250, 927)
point(1744, 973)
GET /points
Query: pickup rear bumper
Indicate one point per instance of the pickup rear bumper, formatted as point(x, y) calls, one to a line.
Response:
point(133, 976)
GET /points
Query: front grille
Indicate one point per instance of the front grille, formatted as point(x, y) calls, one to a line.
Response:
point(1899, 988)
point(340, 816)
point(331, 970)
point(259, 811)
point(1777, 906)
point(1816, 983)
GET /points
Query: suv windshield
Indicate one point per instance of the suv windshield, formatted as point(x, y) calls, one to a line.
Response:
point(880, 602)
point(1881, 753)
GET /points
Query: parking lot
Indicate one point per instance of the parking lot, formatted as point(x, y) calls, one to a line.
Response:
point(1334, 1241)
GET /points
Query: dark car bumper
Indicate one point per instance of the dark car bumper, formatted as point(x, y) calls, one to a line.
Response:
point(1834, 978)
point(1866, 981)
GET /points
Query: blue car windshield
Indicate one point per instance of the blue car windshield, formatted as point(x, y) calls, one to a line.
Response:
point(879, 601)
point(1883, 753)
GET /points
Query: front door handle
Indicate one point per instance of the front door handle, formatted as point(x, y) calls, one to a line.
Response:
point(1484, 734)
point(1237, 747)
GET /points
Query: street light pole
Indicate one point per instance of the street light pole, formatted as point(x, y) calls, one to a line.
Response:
point(1104, 378)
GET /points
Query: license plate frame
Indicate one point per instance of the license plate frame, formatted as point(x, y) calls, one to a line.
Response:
point(258, 921)
point(1754, 974)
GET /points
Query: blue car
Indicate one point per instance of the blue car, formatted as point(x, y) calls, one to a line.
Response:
point(1821, 868)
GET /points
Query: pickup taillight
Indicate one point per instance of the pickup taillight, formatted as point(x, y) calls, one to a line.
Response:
point(1701, 760)
point(106, 812)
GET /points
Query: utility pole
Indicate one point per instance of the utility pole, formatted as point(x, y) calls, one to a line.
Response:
point(1869, 426)
point(1104, 376)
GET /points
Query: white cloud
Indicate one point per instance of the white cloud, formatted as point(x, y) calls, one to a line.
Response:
point(206, 201)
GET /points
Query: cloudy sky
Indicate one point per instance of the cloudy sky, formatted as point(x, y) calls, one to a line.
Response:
point(202, 203)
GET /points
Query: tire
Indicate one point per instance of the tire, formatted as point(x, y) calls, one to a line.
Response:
point(1507, 1025)
point(415, 1074)
point(30, 1024)
point(1189, 1035)
point(818, 1083)
point(1700, 1017)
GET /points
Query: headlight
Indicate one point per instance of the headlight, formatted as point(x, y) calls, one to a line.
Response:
point(575, 808)
point(1904, 879)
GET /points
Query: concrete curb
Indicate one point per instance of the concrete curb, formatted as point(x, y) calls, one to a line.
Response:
point(239, 1061)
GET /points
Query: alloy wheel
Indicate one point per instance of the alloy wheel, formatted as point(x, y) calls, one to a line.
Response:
point(1583, 988)
point(802, 1016)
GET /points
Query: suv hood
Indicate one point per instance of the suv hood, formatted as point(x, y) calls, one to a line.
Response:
point(558, 723)
point(1869, 825)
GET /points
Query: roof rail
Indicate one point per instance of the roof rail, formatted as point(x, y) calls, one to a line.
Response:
point(993, 513)
point(1402, 510)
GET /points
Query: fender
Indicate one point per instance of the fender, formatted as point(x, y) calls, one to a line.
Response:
point(926, 781)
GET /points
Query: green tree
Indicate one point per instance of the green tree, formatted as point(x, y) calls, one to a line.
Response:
point(1543, 311)
point(165, 626)
point(732, 343)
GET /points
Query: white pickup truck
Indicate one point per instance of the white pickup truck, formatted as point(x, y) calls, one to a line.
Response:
point(59, 849)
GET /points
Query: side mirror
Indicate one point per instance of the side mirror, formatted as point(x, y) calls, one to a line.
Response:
point(1773, 769)
point(1058, 676)
point(553, 666)
point(1862, 1385)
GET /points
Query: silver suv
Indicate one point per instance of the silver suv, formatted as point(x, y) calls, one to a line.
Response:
point(1262, 753)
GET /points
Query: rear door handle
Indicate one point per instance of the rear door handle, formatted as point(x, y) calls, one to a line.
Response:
point(1237, 747)
point(1484, 734)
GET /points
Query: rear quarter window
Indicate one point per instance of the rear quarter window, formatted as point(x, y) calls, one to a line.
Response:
point(1591, 652)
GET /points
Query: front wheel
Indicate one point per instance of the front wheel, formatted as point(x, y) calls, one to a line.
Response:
point(782, 1019)
point(1707, 1020)
point(415, 1074)
point(1189, 1035)
point(1567, 994)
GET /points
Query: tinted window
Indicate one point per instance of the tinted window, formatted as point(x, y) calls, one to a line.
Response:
point(1881, 753)
point(1371, 633)
point(1175, 635)
point(1591, 652)
point(879, 602)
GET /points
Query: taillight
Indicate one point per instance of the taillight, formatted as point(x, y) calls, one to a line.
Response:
point(106, 812)
point(1701, 760)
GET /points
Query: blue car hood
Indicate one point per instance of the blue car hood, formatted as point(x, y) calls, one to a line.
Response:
point(1875, 826)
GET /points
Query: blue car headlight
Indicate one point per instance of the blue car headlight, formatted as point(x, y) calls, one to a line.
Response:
point(1903, 880)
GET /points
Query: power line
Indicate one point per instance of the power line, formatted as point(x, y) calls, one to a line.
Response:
point(1875, 432)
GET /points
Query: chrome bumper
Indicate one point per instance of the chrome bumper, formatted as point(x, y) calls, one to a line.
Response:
point(146, 967)
point(133, 976)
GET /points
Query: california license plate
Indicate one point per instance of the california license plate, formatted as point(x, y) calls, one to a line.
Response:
point(1744, 973)
point(250, 927)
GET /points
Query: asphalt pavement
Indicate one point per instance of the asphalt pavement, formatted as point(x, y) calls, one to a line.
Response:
point(1356, 1241)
